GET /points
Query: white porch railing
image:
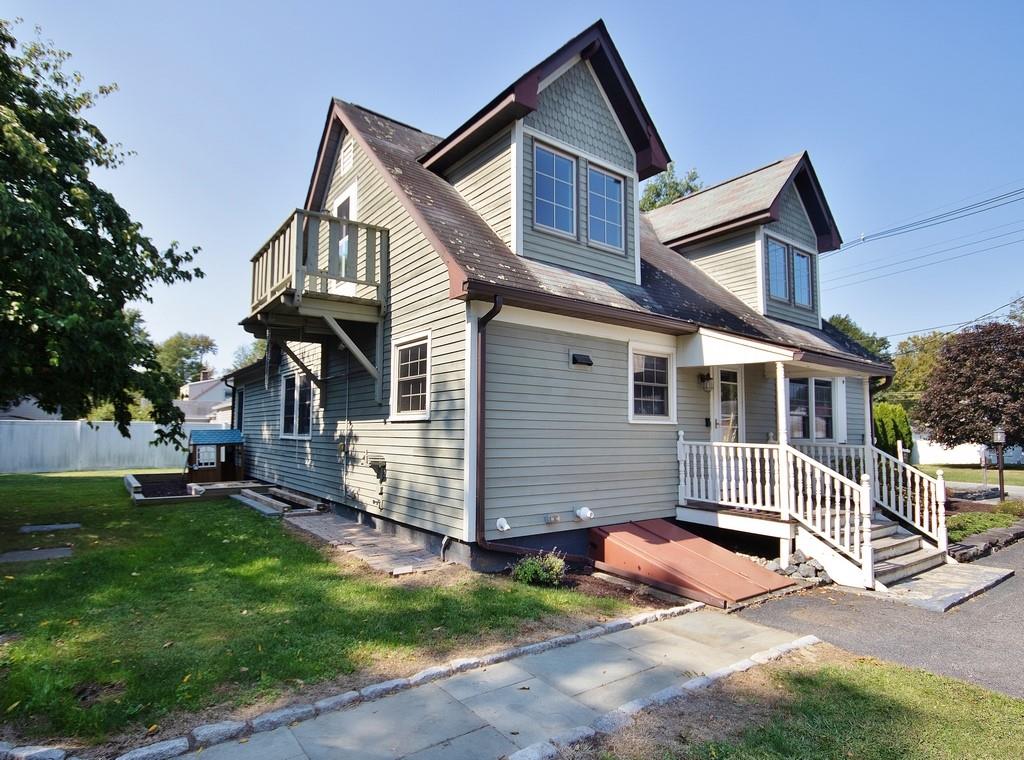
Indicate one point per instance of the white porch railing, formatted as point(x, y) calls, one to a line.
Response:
point(737, 475)
point(911, 495)
point(846, 459)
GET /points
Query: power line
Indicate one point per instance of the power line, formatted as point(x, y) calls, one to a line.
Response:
point(959, 324)
point(979, 340)
point(927, 264)
point(953, 215)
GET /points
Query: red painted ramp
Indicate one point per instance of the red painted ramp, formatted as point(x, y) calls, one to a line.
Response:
point(662, 554)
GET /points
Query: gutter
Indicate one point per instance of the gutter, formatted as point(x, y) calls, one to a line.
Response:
point(481, 449)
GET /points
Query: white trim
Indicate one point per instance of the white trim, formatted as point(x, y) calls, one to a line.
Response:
point(622, 211)
point(759, 254)
point(650, 349)
point(297, 374)
point(544, 137)
point(576, 326)
point(401, 342)
point(615, 116)
point(472, 380)
point(839, 421)
point(834, 381)
point(518, 146)
point(707, 348)
point(574, 235)
point(716, 399)
point(557, 73)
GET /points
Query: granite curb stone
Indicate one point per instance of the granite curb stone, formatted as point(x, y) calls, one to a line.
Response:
point(160, 751)
point(336, 702)
point(215, 733)
point(268, 721)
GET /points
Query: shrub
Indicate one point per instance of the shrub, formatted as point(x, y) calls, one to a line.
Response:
point(540, 570)
point(892, 423)
point(958, 527)
point(1015, 508)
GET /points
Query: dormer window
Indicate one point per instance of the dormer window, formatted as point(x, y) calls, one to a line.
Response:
point(554, 185)
point(778, 276)
point(802, 279)
point(604, 202)
point(790, 274)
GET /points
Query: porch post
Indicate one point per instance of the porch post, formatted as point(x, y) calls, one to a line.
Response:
point(782, 470)
point(869, 437)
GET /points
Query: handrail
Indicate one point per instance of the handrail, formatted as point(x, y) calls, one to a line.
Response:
point(912, 495)
point(739, 475)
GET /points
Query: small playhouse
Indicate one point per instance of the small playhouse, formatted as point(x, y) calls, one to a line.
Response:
point(215, 456)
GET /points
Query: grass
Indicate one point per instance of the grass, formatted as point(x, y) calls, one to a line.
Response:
point(958, 527)
point(844, 707)
point(170, 609)
point(1013, 475)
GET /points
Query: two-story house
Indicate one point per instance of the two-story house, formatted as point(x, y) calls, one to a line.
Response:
point(479, 338)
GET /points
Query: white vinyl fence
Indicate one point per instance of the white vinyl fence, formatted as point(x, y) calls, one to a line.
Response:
point(64, 445)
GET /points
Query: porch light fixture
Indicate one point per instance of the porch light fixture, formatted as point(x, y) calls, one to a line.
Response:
point(705, 382)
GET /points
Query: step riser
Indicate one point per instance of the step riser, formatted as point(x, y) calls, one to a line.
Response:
point(264, 500)
point(911, 544)
point(887, 578)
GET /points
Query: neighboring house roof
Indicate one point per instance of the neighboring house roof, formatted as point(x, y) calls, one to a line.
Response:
point(676, 297)
point(751, 198)
point(214, 437)
point(593, 44)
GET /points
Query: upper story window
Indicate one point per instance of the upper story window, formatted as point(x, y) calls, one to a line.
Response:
point(652, 384)
point(296, 406)
point(410, 378)
point(554, 184)
point(790, 274)
point(605, 213)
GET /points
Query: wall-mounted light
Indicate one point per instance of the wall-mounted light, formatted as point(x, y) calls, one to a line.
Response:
point(706, 382)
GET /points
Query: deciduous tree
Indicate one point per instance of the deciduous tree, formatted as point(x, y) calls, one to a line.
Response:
point(183, 356)
point(72, 256)
point(666, 187)
point(249, 353)
point(873, 342)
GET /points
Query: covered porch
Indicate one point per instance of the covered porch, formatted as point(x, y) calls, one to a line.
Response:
point(786, 452)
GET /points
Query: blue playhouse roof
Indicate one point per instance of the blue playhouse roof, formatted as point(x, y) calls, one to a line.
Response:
point(211, 437)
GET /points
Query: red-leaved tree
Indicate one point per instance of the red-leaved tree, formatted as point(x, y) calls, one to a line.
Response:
point(977, 383)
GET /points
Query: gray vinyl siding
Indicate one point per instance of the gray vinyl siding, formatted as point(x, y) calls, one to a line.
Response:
point(485, 181)
point(854, 411)
point(558, 438)
point(732, 263)
point(794, 227)
point(573, 110)
point(574, 252)
point(425, 472)
point(759, 399)
point(693, 405)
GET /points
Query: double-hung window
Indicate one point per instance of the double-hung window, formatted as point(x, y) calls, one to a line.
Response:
point(296, 406)
point(811, 409)
point(410, 378)
point(652, 387)
point(790, 274)
point(604, 204)
point(554, 190)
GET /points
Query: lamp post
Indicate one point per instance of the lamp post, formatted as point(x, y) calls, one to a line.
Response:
point(999, 438)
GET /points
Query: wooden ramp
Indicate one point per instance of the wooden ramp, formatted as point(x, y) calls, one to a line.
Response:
point(661, 554)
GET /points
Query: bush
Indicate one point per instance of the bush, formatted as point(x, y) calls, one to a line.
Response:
point(1015, 508)
point(540, 570)
point(892, 424)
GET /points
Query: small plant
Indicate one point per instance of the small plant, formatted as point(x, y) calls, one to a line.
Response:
point(958, 527)
point(546, 569)
point(1015, 508)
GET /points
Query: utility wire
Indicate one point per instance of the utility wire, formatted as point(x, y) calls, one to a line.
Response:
point(972, 341)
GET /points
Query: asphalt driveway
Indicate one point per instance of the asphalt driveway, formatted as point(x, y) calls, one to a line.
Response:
point(981, 641)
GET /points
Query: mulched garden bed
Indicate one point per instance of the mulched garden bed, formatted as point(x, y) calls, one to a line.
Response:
point(163, 484)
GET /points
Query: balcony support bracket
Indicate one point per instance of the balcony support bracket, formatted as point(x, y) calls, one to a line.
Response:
point(320, 385)
point(348, 343)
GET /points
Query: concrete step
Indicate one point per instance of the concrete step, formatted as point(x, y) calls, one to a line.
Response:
point(895, 545)
point(296, 498)
point(263, 509)
point(895, 569)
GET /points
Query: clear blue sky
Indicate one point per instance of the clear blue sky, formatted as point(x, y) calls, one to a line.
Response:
point(906, 108)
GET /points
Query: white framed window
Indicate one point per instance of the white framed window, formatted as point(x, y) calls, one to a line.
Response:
point(410, 378)
point(296, 406)
point(605, 212)
point(812, 409)
point(778, 274)
point(652, 384)
point(554, 190)
point(803, 286)
point(206, 457)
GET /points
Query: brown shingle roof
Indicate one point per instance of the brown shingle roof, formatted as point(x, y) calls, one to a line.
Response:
point(675, 296)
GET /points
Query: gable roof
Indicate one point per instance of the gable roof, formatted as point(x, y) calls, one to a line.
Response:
point(593, 44)
point(751, 198)
point(676, 297)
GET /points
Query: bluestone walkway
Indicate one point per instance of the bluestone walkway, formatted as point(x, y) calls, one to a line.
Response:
point(487, 713)
point(981, 640)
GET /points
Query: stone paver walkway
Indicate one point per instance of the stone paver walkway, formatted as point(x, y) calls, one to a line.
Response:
point(51, 528)
point(32, 555)
point(389, 554)
point(487, 713)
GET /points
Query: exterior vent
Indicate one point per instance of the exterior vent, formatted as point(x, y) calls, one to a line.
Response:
point(582, 360)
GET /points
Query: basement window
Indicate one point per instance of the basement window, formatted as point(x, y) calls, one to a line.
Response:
point(410, 378)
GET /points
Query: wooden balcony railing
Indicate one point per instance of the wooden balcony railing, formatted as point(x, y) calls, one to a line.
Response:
point(315, 253)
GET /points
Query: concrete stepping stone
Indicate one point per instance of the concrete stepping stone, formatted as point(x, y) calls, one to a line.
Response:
point(35, 554)
point(51, 528)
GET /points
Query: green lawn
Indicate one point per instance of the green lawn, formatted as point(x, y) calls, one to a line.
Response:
point(958, 527)
point(871, 710)
point(1013, 475)
point(176, 608)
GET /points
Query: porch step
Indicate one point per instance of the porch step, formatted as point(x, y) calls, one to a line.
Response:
point(296, 498)
point(895, 569)
point(262, 503)
point(881, 527)
point(895, 545)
